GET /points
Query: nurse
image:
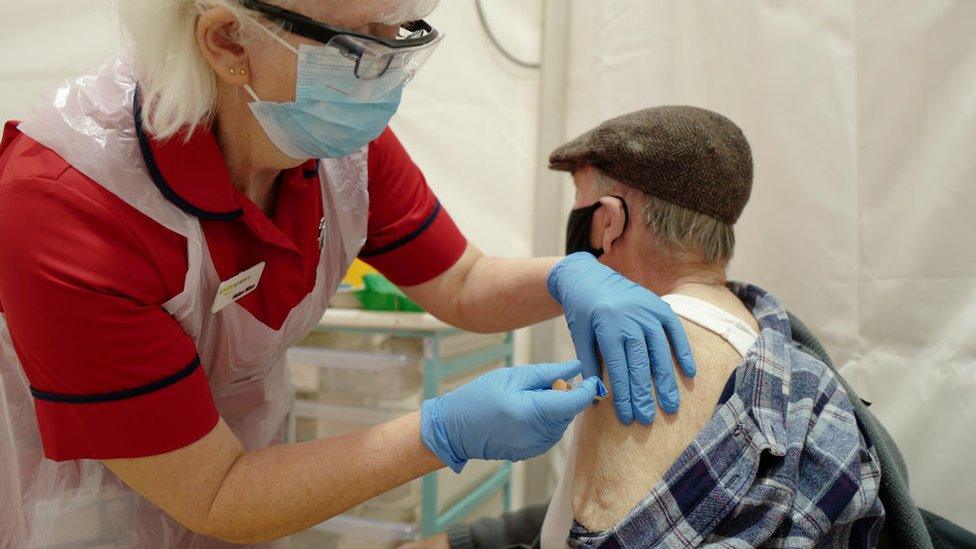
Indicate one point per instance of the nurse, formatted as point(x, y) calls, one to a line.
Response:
point(172, 222)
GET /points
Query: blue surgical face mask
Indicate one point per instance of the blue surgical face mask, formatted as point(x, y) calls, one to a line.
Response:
point(323, 122)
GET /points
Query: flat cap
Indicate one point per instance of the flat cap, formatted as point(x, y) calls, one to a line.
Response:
point(688, 156)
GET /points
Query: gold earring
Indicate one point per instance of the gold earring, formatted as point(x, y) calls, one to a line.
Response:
point(232, 71)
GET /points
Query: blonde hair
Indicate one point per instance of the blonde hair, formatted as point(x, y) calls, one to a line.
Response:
point(178, 88)
point(684, 233)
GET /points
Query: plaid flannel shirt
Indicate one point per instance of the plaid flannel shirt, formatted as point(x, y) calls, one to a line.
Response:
point(782, 462)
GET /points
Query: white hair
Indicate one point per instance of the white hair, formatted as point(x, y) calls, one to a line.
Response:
point(178, 88)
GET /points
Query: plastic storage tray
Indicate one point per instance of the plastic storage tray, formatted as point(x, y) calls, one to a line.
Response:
point(357, 378)
point(452, 345)
point(354, 373)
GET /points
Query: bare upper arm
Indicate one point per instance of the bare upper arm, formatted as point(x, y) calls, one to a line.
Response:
point(617, 465)
point(184, 482)
point(439, 295)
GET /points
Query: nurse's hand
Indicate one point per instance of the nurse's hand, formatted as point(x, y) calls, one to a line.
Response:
point(632, 328)
point(510, 413)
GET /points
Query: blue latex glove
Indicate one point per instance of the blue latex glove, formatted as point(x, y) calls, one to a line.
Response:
point(509, 413)
point(632, 327)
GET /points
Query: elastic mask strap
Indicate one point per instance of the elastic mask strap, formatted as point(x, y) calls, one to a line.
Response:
point(250, 91)
point(283, 42)
point(280, 40)
point(626, 210)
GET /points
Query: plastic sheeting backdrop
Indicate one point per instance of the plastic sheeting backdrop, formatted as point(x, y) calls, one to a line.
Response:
point(862, 117)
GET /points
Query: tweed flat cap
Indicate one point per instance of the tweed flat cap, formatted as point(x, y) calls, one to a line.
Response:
point(688, 156)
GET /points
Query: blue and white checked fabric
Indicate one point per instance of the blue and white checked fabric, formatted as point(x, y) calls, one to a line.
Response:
point(782, 463)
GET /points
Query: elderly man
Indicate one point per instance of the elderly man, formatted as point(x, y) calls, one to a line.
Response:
point(766, 449)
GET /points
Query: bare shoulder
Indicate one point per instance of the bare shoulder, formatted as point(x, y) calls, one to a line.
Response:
point(618, 465)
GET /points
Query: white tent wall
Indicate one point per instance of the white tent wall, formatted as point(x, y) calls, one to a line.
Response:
point(43, 42)
point(470, 122)
point(916, 356)
point(469, 119)
point(862, 119)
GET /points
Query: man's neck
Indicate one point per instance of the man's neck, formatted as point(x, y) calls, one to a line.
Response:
point(663, 275)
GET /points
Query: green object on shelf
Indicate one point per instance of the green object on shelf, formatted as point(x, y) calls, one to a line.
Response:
point(380, 294)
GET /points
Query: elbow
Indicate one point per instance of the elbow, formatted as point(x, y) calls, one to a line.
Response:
point(477, 328)
point(238, 532)
point(251, 526)
point(453, 312)
point(244, 531)
point(469, 323)
point(233, 524)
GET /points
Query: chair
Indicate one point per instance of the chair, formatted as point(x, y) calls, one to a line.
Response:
point(905, 524)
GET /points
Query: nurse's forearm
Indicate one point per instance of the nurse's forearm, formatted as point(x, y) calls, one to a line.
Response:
point(505, 294)
point(280, 490)
point(489, 294)
point(215, 488)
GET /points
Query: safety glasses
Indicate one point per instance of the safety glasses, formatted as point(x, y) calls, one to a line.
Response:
point(373, 56)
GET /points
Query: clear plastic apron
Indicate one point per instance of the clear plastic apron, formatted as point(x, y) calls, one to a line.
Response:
point(43, 503)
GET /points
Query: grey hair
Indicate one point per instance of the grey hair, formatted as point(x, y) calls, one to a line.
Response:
point(684, 233)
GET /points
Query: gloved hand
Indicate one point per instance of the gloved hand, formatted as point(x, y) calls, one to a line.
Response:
point(630, 324)
point(509, 413)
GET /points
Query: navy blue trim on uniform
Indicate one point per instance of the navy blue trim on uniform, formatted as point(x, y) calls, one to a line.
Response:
point(390, 247)
point(160, 181)
point(309, 174)
point(118, 395)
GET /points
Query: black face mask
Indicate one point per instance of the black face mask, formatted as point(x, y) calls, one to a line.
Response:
point(578, 228)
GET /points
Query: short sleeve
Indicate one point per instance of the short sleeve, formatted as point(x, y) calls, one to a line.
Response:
point(411, 238)
point(112, 374)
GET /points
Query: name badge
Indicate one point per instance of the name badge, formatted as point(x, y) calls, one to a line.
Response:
point(235, 288)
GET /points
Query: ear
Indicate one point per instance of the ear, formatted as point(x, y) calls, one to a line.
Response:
point(609, 223)
point(217, 38)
